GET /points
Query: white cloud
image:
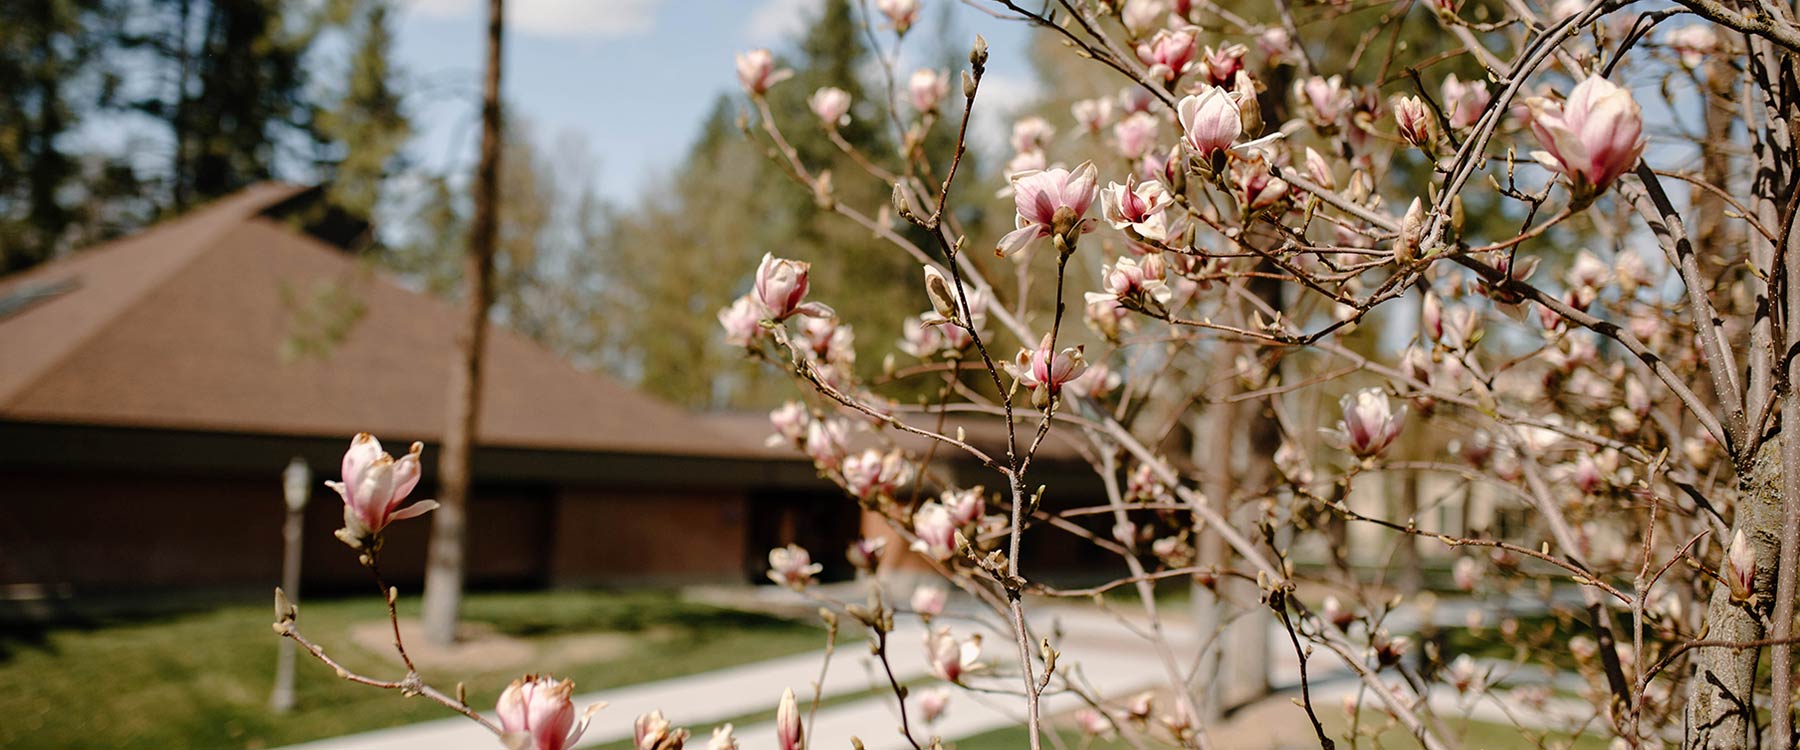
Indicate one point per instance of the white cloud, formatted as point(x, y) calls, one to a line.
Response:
point(776, 20)
point(569, 18)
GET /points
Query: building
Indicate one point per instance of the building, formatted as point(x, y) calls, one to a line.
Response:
point(150, 395)
point(152, 389)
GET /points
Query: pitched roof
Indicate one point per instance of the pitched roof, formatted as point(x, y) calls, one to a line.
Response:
point(182, 327)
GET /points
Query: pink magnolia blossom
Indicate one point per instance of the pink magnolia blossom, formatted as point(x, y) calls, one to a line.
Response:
point(1221, 66)
point(1093, 723)
point(1133, 203)
point(788, 733)
point(1319, 170)
point(1325, 99)
point(829, 340)
point(1414, 121)
point(1464, 102)
point(965, 506)
point(756, 71)
point(932, 704)
point(1042, 368)
point(742, 321)
point(1466, 572)
point(722, 738)
point(1593, 137)
point(792, 567)
point(1097, 381)
point(373, 487)
point(1169, 53)
point(653, 732)
point(1140, 16)
point(1051, 202)
point(926, 89)
point(920, 339)
point(1693, 43)
point(1466, 676)
point(1135, 135)
point(1257, 187)
point(1092, 114)
point(832, 106)
point(781, 286)
point(949, 659)
point(901, 14)
point(536, 712)
point(936, 531)
point(826, 441)
point(1369, 424)
point(790, 421)
point(865, 553)
point(873, 473)
point(1275, 45)
point(1128, 281)
point(1210, 121)
point(929, 599)
point(1135, 99)
point(1032, 134)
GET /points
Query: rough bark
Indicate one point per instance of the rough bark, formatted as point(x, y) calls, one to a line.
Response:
point(1720, 711)
point(447, 561)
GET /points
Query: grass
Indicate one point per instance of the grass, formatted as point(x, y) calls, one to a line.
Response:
point(202, 679)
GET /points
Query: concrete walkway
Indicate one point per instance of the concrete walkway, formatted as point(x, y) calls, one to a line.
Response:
point(1108, 658)
point(1114, 663)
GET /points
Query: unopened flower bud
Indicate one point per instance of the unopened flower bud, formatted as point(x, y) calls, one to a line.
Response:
point(1740, 568)
point(787, 722)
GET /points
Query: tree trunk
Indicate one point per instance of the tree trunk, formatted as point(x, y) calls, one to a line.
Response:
point(449, 532)
point(1720, 711)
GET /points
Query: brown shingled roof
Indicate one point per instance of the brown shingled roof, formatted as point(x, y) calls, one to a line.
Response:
point(182, 326)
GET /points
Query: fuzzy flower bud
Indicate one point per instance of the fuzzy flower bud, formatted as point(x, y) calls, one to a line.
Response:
point(787, 723)
point(1740, 568)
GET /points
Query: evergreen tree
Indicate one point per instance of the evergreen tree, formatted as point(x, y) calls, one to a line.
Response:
point(48, 61)
point(367, 125)
point(236, 91)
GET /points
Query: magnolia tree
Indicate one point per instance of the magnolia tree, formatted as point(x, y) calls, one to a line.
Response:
point(1604, 350)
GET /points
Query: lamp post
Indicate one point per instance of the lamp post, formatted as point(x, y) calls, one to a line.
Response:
point(296, 486)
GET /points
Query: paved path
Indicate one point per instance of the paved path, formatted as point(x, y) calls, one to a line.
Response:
point(1110, 658)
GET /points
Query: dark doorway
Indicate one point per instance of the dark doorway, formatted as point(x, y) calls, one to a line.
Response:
point(823, 523)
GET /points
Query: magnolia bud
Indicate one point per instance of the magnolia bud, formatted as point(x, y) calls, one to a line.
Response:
point(968, 85)
point(1412, 231)
point(943, 298)
point(1740, 568)
point(978, 54)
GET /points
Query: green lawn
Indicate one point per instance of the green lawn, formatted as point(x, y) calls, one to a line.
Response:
point(202, 679)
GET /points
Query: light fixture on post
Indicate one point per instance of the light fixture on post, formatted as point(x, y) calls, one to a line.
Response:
point(296, 486)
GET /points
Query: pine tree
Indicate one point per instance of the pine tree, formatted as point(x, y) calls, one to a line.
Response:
point(367, 125)
point(49, 52)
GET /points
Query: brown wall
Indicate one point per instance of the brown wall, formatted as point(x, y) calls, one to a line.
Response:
point(636, 535)
point(104, 531)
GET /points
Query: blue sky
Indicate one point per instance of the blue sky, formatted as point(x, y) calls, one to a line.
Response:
point(633, 78)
